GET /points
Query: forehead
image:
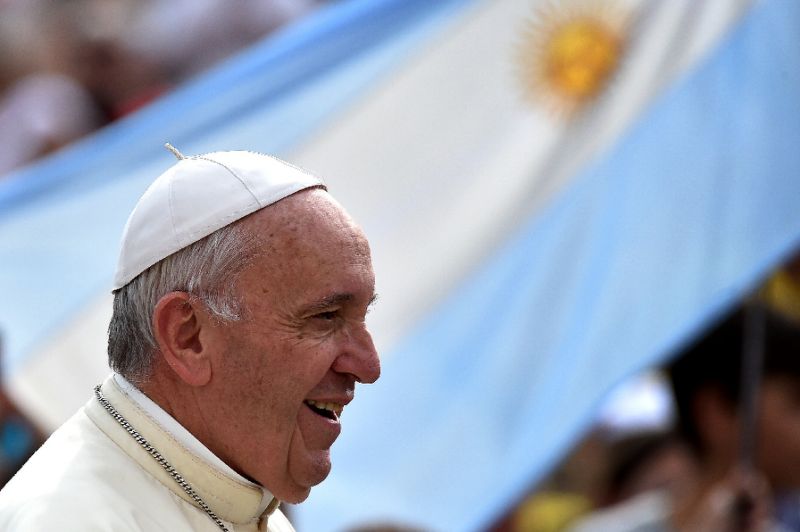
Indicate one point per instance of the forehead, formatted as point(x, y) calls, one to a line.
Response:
point(305, 222)
point(308, 239)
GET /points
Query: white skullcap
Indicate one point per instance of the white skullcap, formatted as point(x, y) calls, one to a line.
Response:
point(197, 196)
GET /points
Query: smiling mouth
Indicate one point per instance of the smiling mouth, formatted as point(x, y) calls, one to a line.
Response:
point(331, 411)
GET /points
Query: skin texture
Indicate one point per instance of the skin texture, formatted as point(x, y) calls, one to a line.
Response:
point(240, 387)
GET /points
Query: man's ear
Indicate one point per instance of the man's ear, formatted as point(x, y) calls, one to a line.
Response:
point(178, 320)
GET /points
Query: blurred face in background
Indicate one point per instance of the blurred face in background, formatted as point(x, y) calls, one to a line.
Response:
point(778, 437)
point(779, 432)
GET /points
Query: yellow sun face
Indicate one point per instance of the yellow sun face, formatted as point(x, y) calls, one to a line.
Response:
point(569, 54)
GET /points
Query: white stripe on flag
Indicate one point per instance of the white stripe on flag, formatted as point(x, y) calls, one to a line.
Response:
point(447, 157)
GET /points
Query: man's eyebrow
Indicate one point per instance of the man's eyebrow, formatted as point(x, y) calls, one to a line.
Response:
point(327, 302)
point(334, 300)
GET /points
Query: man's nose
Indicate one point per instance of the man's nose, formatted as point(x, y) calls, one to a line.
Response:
point(359, 357)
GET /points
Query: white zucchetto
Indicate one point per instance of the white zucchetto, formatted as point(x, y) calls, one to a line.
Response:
point(197, 196)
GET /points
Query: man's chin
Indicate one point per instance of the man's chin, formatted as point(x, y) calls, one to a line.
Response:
point(307, 473)
point(320, 468)
point(300, 493)
point(296, 497)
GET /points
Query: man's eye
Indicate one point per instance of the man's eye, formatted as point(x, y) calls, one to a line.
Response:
point(330, 315)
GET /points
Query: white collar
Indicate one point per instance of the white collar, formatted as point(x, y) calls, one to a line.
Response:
point(179, 432)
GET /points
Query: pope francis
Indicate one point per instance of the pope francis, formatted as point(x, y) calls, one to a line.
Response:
point(237, 337)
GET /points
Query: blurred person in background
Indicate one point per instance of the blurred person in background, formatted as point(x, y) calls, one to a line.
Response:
point(19, 437)
point(569, 491)
point(42, 105)
point(119, 78)
point(131, 52)
point(706, 382)
point(644, 461)
point(607, 468)
point(782, 293)
point(68, 68)
point(188, 36)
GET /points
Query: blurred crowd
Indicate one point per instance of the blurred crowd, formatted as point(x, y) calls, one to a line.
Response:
point(691, 471)
point(68, 67)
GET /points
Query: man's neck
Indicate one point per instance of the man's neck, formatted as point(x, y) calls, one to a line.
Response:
point(157, 406)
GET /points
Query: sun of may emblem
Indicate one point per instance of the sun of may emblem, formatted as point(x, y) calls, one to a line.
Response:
point(569, 51)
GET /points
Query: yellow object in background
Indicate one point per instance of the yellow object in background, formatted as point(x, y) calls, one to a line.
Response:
point(550, 511)
point(782, 292)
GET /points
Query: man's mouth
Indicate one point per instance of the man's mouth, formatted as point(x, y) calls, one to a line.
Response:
point(331, 411)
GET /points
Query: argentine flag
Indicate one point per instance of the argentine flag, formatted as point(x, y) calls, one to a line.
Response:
point(557, 193)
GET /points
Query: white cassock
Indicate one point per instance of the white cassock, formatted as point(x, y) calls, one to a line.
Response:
point(92, 475)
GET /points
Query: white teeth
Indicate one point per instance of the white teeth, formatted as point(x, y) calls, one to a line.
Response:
point(336, 408)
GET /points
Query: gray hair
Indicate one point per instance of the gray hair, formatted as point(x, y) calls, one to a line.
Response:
point(208, 270)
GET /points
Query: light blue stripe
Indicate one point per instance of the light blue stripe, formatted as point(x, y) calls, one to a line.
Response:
point(61, 219)
point(686, 213)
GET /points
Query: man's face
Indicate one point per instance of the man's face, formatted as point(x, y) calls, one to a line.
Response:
point(779, 434)
point(286, 370)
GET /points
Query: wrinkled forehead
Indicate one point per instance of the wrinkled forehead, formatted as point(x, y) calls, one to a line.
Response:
point(307, 222)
